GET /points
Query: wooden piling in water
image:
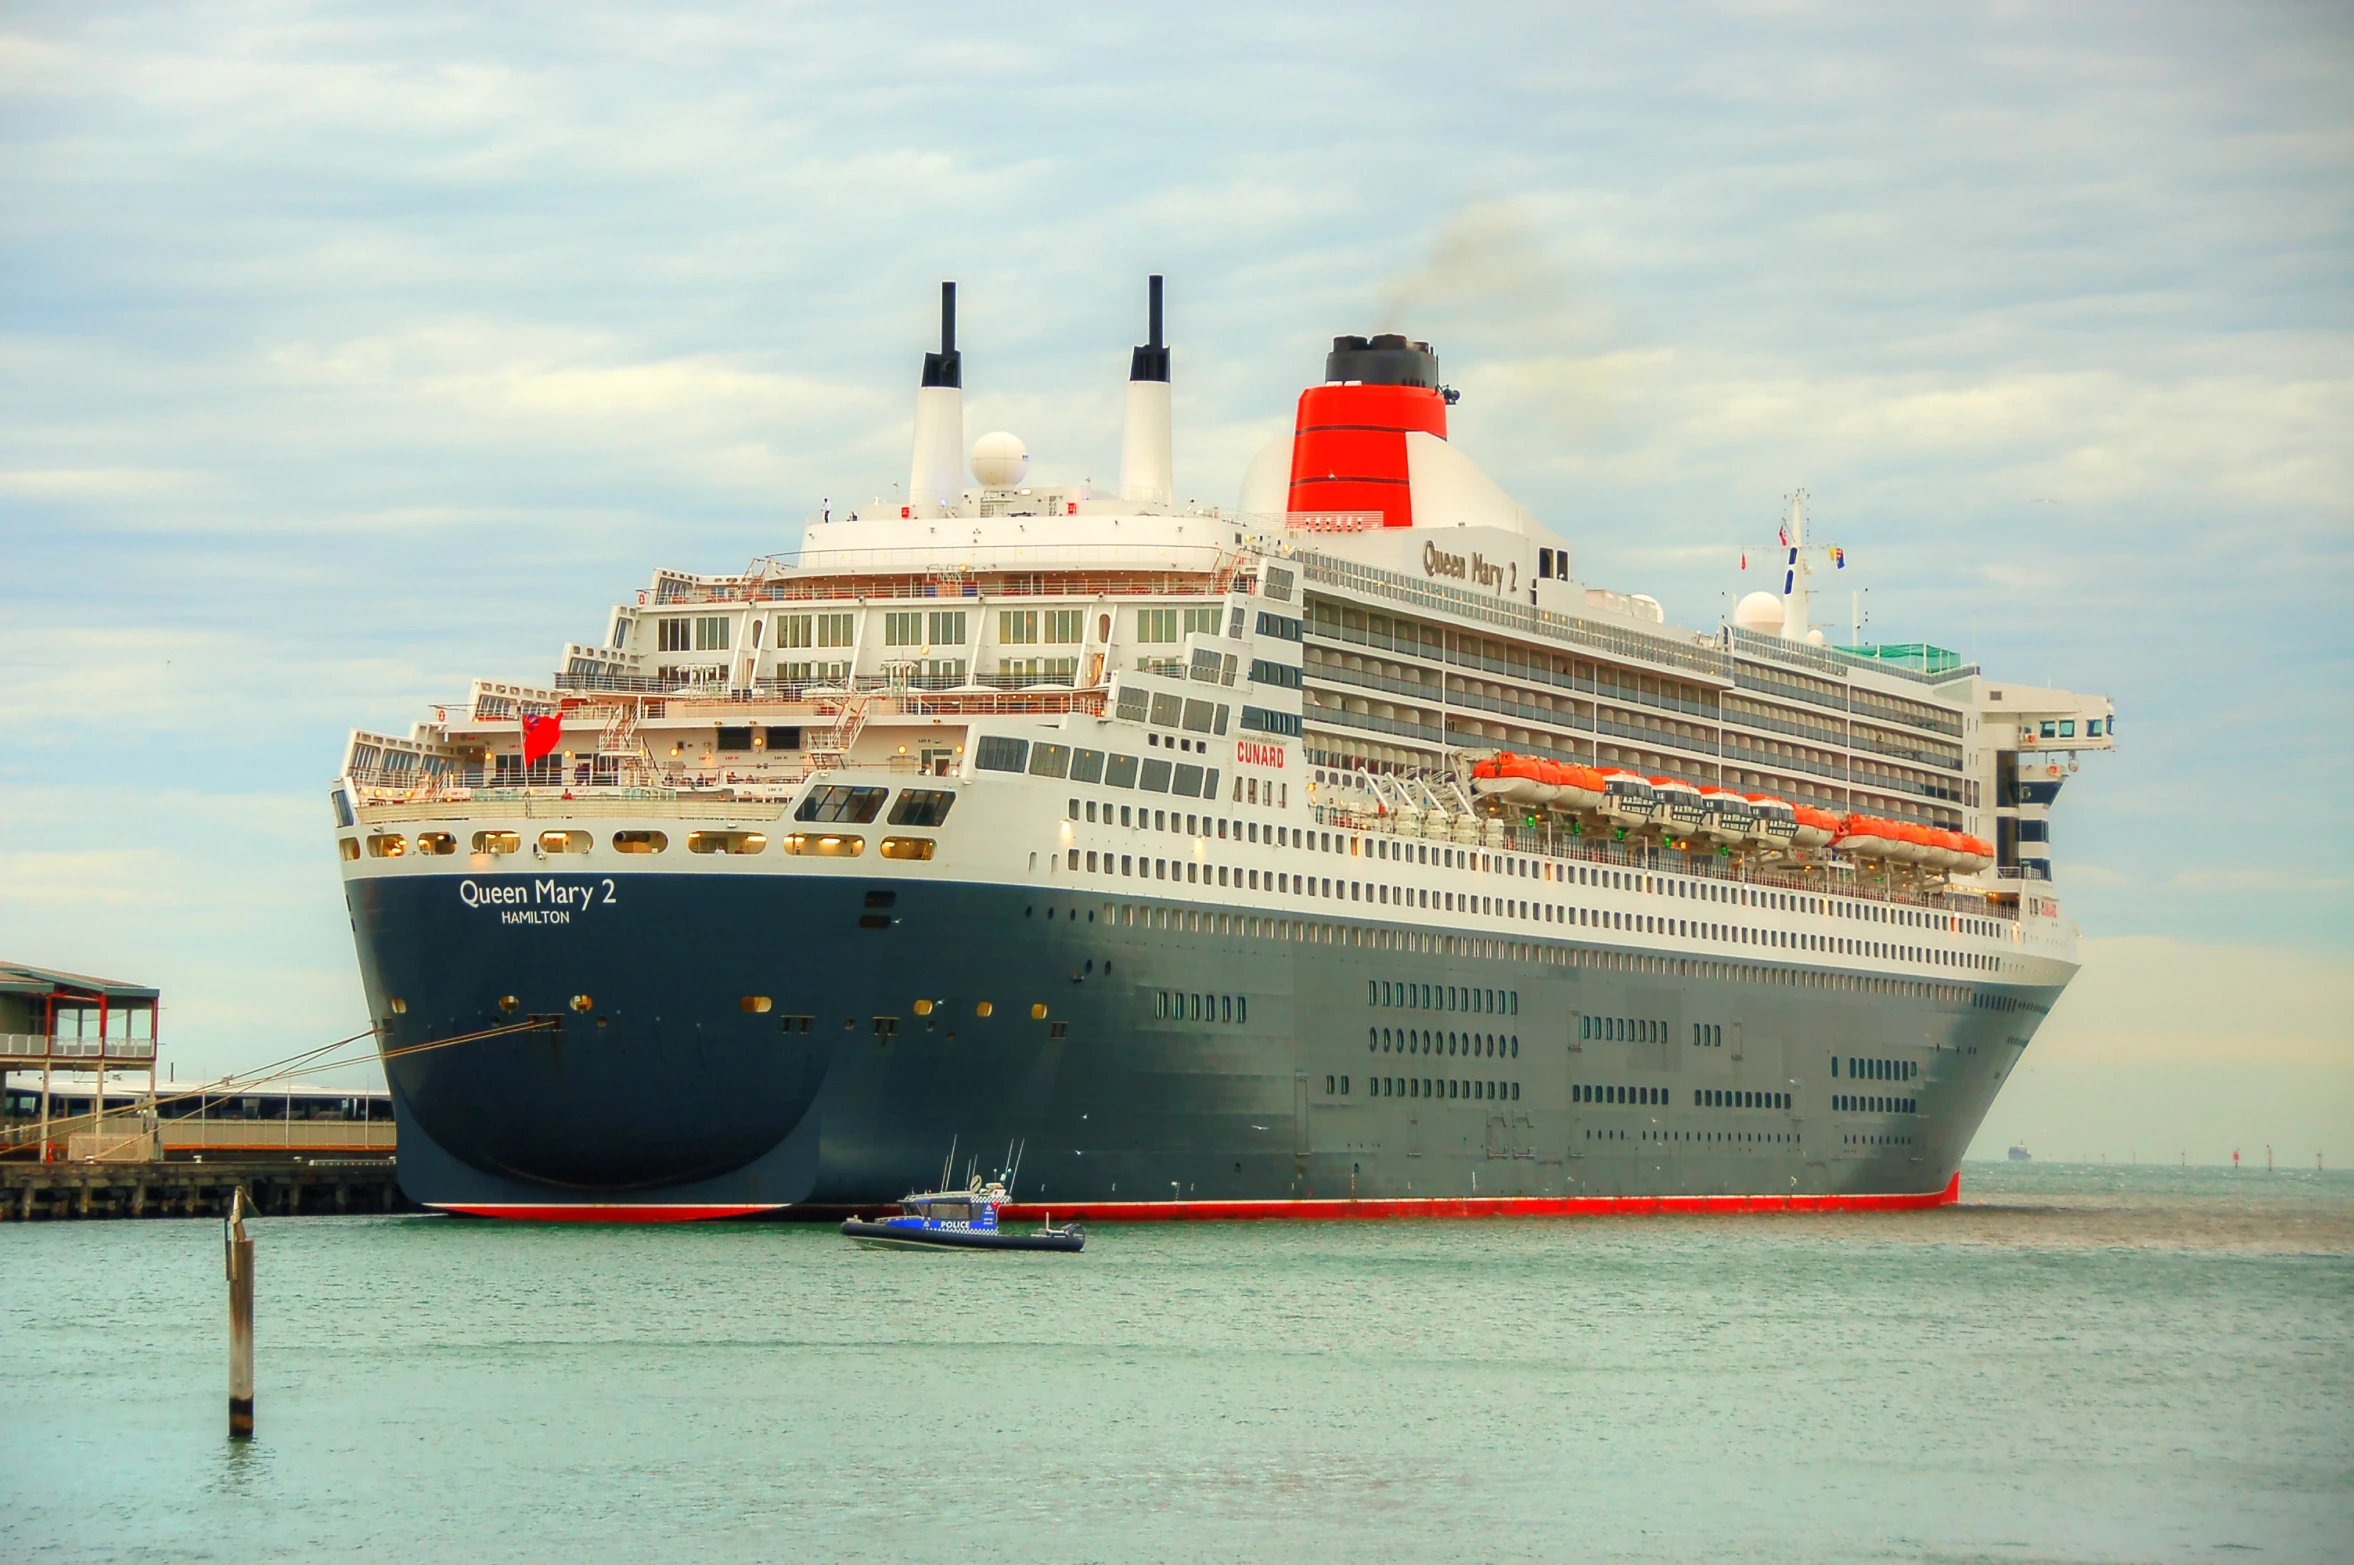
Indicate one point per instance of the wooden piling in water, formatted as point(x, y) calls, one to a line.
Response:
point(239, 1250)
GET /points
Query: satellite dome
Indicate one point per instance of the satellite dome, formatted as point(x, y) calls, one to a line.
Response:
point(999, 460)
point(1816, 638)
point(1759, 613)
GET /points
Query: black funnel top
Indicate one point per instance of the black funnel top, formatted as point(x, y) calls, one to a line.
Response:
point(1151, 361)
point(945, 368)
point(1387, 360)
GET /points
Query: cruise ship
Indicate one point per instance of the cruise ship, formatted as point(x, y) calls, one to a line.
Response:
point(1343, 853)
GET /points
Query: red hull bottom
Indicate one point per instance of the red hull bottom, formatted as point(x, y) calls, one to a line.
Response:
point(608, 1212)
point(1481, 1206)
point(1302, 1211)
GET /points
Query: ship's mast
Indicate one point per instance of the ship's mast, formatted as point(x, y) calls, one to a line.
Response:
point(1796, 616)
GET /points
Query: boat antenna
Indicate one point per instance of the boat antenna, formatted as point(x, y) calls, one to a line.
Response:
point(948, 1163)
point(1016, 1173)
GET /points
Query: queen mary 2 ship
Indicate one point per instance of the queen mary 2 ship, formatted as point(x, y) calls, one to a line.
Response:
point(1340, 854)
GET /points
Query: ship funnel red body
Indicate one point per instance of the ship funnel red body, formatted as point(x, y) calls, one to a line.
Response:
point(1348, 447)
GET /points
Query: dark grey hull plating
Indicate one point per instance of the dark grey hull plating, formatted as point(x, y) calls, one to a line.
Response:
point(673, 1088)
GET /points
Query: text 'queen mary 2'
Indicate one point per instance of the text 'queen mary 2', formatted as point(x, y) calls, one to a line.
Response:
point(1340, 854)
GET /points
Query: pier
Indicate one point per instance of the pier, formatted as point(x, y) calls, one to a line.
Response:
point(274, 1187)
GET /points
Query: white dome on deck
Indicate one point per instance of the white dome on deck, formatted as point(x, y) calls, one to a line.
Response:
point(999, 460)
point(1759, 613)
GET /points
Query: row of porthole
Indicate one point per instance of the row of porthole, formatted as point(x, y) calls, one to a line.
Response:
point(760, 1005)
point(830, 845)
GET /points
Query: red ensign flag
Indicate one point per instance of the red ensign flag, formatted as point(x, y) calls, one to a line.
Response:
point(541, 735)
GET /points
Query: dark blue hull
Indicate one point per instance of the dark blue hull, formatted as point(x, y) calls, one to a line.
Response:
point(656, 1081)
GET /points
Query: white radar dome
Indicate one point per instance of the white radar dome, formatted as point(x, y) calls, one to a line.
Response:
point(1000, 460)
point(1759, 613)
point(1816, 638)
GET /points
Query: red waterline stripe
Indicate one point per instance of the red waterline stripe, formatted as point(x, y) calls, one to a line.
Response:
point(1479, 1206)
point(603, 1212)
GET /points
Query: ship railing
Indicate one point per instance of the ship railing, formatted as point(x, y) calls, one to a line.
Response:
point(1642, 857)
point(997, 579)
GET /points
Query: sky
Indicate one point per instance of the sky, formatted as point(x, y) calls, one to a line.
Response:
point(351, 352)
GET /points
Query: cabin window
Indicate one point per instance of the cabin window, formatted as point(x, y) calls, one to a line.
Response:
point(564, 841)
point(498, 842)
point(387, 846)
point(808, 844)
point(349, 847)
point(436, 842)
point(640, 841)
point(836, 630)
point(908, 847)
point(728, 842)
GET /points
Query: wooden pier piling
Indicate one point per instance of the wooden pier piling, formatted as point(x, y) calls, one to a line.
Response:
point(238, 1248)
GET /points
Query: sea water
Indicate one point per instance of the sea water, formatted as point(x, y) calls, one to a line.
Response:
point(2081, 1364)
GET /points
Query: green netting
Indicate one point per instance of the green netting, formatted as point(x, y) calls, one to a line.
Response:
point(1911, 654)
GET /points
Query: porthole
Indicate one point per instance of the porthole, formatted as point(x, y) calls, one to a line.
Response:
point(581, 1003)
point(921, 1007)
point(726, 842)
point(348, 847)
point(640, 841)
point(908, 847)
point(386, 845)
point(436, 842)
point(1038, 1013)
point(754, 1004)
point(506, 1002)
point(400, 1007)
point(499, 842)
point(984, 1008)
point(564, 841)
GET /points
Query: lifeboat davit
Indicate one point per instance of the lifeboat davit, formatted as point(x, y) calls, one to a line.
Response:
point(1816, 828)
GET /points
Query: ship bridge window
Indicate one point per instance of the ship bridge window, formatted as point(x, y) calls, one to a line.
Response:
point(387, 846)
point(726, 841)
point(436, 842)
point(997, 753)
point(498, 842)
point(851, 806)
point(809, 844)
point(564, 841)
point(640, 841)
point(924, 806)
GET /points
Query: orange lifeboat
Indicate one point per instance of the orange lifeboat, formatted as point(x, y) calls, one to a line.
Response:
point(1777, 823)
point(1730, 819)
point(1683, 808)
point(1867, 837)
point(1582, 788)
point(1517, 778)
point(1627, 797)
point(1977, 855)
point(1816, 828)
